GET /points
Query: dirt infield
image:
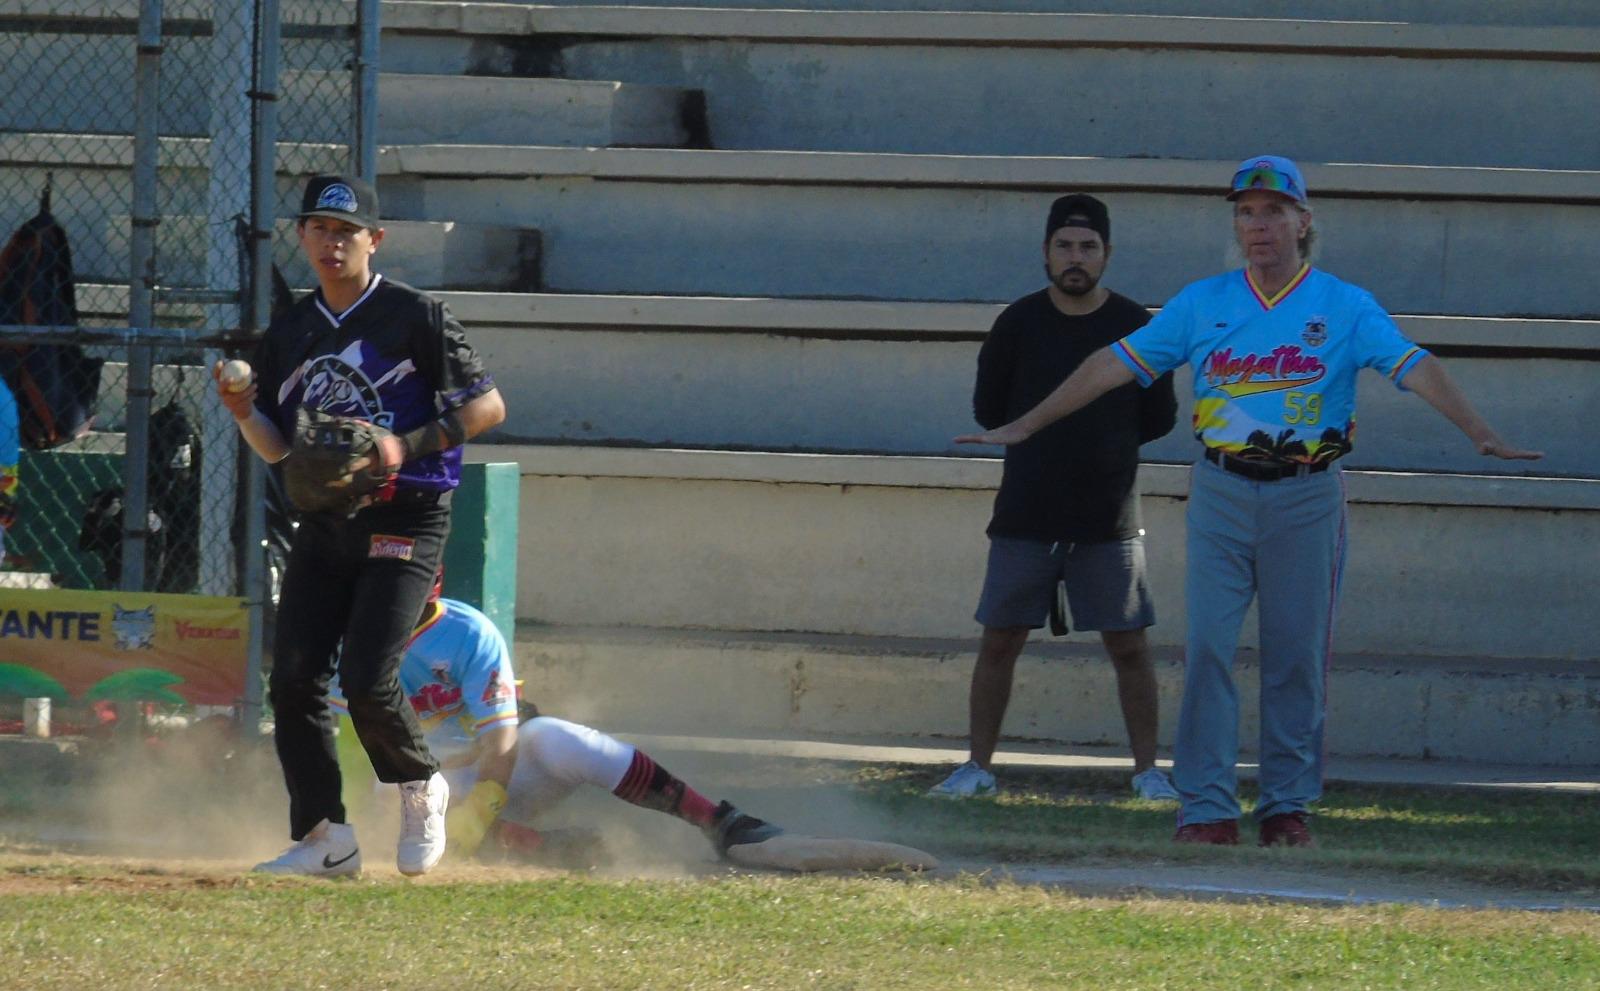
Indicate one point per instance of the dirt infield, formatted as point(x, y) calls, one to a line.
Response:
point(31, 868)
point(80, 816)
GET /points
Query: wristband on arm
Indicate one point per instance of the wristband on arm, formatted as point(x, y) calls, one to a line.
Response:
point(440, 435)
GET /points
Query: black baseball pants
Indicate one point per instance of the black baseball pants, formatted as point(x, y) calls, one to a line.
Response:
point(363, 581)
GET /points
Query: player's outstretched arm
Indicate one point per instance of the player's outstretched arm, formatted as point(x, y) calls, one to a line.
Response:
point(468, 821)
point(1430, 381)
point(1099, 374)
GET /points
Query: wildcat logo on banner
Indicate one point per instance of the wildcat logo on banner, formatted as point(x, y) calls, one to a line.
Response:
point(131, 646)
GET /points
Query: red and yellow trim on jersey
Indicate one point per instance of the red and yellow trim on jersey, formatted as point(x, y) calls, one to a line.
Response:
point(1407, 360)
point(431, 614)
point(1268, 302)
point(1131, 358)
point(490, 722)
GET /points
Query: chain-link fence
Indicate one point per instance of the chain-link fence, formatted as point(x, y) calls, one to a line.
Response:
point(97, 90)
point(68, 501)
point(147, 148)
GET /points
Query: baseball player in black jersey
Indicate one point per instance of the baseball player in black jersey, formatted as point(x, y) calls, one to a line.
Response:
point(363, 348)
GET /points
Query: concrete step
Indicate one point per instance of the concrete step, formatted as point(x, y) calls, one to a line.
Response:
point(422, 109)
point(830, 224)
point(303, 13)
point(880, 226)
point(412, 107)
point(880, 377)
point(434, 254)
point(1527, 13)
point(1506, 711)
point(894, 546)
point(1138, 85)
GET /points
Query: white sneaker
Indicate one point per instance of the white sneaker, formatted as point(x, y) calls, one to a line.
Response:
point(329, 850)
point(422, 805)
point(967, 781)
point(1153, 784)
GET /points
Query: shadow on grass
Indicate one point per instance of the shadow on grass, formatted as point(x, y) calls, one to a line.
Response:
point(1545, 840)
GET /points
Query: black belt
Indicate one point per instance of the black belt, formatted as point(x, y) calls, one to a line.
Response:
point(1263, 471)
point(416, 497)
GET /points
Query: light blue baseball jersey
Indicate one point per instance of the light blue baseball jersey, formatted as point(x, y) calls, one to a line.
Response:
point(457, 673)
point(1274, 378)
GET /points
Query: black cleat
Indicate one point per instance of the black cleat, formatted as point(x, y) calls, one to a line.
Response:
point(730, 827)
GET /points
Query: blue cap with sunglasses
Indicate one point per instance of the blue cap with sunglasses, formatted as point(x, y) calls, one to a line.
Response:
point(1270, 173)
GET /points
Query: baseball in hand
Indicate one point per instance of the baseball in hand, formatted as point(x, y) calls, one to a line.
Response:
point(236, 375)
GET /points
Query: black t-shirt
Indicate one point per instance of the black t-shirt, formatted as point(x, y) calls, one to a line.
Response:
point(1073, 480)
point(396, 357)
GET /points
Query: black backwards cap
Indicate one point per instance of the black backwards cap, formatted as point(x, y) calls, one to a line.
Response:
point(342, 197)
point(1079, 210)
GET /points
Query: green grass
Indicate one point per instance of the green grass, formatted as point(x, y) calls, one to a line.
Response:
point(81, 929)
point(1546, 840)
point(73, 922)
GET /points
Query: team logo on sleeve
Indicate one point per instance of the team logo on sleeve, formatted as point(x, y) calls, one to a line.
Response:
point(496, 690)
point(1316, 333)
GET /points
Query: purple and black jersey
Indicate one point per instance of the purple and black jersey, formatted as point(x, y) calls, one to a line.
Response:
point(396, 358)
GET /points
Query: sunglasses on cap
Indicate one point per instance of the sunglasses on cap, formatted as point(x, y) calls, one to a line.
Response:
point(1265, 177)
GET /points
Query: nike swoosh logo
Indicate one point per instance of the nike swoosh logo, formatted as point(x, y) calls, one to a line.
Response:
point(328, 863)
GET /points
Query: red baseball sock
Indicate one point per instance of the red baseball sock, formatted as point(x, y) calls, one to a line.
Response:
point(652, 786)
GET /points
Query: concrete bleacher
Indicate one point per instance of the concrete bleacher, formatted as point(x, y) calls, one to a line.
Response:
point(1123, 85)
point(896, 377)
point(839, 254)
point(1548, 13)
point(962, 228)
point(832, 594)
point(799, 271)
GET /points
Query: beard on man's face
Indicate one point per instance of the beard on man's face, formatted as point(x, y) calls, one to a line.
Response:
point(1073, 280)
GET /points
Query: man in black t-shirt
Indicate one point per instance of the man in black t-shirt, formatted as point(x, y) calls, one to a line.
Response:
point(366, 347)
point(1068, 509)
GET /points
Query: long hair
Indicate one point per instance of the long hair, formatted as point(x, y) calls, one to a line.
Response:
point(1309, 244)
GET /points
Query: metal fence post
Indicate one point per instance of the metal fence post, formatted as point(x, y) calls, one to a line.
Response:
point(227, 206)
point(141, 285)
point(365, 147)
point(257, 314)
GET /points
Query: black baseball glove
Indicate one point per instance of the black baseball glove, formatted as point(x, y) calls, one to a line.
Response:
point(338, 464)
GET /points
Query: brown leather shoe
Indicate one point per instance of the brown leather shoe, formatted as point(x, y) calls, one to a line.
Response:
point(1287, 829)
point(1223, 832)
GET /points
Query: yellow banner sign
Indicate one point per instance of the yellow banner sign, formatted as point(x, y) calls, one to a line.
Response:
point(132, 646)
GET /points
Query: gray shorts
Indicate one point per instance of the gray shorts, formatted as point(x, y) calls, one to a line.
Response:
point(1105, 584)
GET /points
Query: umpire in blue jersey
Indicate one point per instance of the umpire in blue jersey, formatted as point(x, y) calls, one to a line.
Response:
point(360, 348)
point(1275, 348)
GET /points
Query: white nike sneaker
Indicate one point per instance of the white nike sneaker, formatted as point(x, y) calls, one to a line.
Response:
point(967, 781)
point(1153, 784)
point(329, 850)
point(422, 805)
